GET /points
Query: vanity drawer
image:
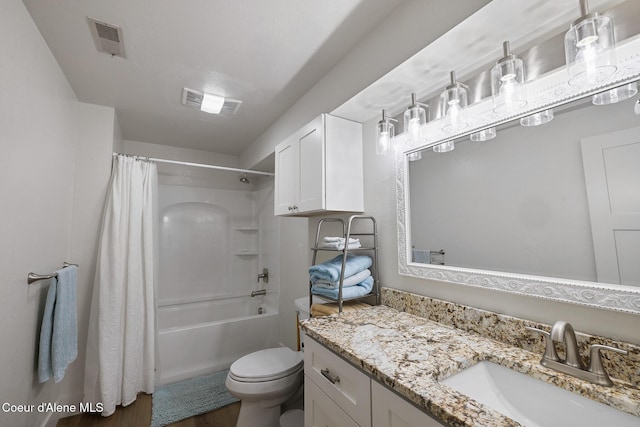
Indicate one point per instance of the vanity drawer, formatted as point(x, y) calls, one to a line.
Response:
point(342, 382)
point(320, 411)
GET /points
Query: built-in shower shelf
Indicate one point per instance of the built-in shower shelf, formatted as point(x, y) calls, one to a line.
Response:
point(245, 253)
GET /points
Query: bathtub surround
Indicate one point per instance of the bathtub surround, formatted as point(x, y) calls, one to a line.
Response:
point(121, 344)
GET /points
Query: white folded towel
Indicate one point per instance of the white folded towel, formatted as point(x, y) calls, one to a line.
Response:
point(339, 245)
point(330, 239)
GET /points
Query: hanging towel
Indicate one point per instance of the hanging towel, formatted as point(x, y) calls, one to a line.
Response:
point(348, 281)
point(330, 270)
point(421, 256)
point(359, 290)
point(59, 331)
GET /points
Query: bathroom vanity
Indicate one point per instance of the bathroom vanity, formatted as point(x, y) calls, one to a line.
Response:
point(382, 366)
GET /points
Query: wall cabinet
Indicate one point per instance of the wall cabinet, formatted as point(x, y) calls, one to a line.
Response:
point(319, 168)
point(337, 394)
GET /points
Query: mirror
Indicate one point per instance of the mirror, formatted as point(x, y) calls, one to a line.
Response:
point(531, 210)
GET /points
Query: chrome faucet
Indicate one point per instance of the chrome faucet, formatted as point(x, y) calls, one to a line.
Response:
point(259, 292)
point(572, 364)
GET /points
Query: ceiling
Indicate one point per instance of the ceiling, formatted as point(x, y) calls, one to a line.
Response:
point(267, 54)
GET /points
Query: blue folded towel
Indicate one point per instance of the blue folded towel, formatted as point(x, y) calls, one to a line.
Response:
point(359, 290)
point(330, 270)
point(59, 331)
point(348, 281)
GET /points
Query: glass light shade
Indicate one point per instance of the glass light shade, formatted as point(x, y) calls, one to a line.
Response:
point(414, 119)
point(416, 155)
point(483, 135)
point(636, 108)
point(453, 104)
point(385, 133)
point(615, 95)
point(445, 147)
point(537, 119)
point(590, 50)
point(507, 83)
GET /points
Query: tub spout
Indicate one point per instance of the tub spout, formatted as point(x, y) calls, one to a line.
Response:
point(260, 292)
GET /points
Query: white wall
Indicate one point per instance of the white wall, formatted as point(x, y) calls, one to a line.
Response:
point(53, 176)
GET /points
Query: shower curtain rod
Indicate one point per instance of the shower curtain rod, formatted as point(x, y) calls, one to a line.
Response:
point(199, 165)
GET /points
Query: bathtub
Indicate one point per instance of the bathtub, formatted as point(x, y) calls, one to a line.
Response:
point(199, 338)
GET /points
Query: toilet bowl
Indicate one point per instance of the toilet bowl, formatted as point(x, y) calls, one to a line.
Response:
point(263, 381)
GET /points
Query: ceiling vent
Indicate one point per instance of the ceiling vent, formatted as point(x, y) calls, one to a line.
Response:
point(193, 98)
point(108, 38)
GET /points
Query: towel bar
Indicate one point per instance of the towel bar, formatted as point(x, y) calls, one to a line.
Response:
point(33, 277)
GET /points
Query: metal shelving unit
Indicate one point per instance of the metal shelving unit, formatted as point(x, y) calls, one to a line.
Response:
point(370, 236)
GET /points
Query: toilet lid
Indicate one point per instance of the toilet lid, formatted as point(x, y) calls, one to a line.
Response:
point(266, 365)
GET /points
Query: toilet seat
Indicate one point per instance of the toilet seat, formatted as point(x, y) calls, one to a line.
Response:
point(266, 365)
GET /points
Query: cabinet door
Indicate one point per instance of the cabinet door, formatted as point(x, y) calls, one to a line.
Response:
point(320, 411)
point(311, 195)
point(390, 410)
point(286, 178)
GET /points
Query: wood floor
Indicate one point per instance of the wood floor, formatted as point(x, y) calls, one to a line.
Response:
point(138, 414)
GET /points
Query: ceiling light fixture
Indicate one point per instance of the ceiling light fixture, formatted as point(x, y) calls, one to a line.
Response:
point(615, 95)
point(415, 117)
point(385, 133)
point(453, 103)
point(507, 82)
point(537, 119)
point(590, 48)
point(212, 104)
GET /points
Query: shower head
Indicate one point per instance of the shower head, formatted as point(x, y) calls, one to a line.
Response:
point(244, 179)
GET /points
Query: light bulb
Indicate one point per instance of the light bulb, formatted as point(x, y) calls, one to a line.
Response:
point(383, 143)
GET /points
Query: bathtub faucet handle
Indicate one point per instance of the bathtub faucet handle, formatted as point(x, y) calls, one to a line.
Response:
point(264, 275)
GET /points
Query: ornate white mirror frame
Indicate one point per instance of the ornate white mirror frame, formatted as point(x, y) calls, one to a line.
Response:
point(549, 91)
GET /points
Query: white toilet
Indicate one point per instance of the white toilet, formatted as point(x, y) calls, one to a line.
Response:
point(263, 381)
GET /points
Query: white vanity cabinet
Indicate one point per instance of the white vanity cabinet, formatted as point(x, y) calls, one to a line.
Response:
point(319, 168)
point(390, 410)
point(337, 394)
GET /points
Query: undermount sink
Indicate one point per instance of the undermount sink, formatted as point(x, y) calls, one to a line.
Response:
point(532, 402)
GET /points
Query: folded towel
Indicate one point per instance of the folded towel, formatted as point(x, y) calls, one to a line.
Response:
point(339, 245)
point(340, 240)
point(348, 281)
point(59, 330)
point(332, 308)
point(359, 290)
point(330, 270)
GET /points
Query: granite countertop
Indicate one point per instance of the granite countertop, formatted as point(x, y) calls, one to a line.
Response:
point(410, 354)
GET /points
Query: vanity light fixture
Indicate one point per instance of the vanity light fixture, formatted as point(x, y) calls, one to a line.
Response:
point(385, 133)
point(507, 82)
point(453, 103)
point(537, 119)
point(590, 48)
point(483, 135)
point(415, 117)
point(615, 95)
point(445, 147)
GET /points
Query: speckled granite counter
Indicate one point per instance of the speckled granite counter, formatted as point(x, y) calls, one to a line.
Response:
point(410, 354)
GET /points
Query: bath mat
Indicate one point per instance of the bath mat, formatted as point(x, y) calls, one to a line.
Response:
point(177, 401)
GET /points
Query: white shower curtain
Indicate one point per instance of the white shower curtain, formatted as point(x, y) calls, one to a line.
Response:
point(121, 343)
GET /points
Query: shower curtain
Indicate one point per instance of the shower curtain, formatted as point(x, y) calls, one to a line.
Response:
point(121, 343)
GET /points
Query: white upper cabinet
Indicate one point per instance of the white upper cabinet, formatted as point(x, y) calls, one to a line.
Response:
point(319, 168)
